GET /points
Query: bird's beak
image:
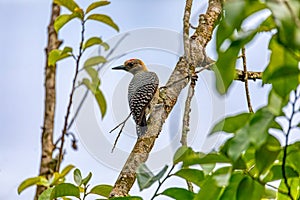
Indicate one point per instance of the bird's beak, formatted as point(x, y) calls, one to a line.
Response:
point(121, 67)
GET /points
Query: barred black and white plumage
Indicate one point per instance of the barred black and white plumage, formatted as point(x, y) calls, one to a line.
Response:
point(141, 91)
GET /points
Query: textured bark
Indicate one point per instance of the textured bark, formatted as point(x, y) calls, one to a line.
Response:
point(168, 98)
point(47, 165)
point(240, 75)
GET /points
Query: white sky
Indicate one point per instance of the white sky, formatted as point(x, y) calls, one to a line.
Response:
point(23, 39)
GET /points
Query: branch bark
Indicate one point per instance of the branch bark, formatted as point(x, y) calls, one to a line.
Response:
point(168, 98)
point(47, 164)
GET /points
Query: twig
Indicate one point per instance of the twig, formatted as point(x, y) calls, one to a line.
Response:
point(123, 122)
point(64, 131)
point(160, 183)
point(290, 119)
point(119, 134)
point(246, 80)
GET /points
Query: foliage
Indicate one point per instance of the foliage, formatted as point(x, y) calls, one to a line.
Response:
point(252, 159)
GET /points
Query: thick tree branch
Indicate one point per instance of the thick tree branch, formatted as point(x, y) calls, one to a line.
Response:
point(47, 164)
point(168, 98)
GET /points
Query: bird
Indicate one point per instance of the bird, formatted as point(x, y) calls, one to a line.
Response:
point(142, 90)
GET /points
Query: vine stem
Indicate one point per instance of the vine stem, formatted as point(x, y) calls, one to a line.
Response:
point(161, 182)
point(64, 131)
point(290, 119)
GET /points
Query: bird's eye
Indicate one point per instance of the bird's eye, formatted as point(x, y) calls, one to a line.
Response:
point(130, 64)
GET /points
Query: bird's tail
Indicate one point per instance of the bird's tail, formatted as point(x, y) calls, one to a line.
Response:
point(141, 130)
point(142, 127)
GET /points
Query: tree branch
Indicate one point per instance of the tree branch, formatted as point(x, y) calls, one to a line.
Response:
point(64, 131)
point(47, 164)
point(241, 76)
point(168, 98)
point(246, 80)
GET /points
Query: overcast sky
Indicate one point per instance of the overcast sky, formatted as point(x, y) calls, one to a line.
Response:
point(154, 29)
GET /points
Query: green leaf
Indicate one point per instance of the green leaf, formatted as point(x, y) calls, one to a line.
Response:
point(77, 176)
point(146, 178)
point(231, 124)
point(86, 179)
point(94, 88)
point(281, 59)
point(209, 190)
point(231, 190)
point(295, 190)
point(180, 154)
point(66, 170)
point(275, 173)
point(57, 54)
point(288, 29)
point(238, 144)
point(193, 175)
point(266, 155)
point(92, 41)
point(90, 62)
point(276, 103)
point(259, 126)
point(46, 194)
point(96, 4)
point(189, 157)
point(269, 193)
point(65, 189)
point(178, 193)
point(39, 180)
point(69, 4)
point(61, 20)
point(267, 25)
point(102, 190)
point(249, 189)
point(104, 19)
point(222, 176)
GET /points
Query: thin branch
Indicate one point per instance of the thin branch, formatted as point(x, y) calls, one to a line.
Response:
point(186, 28)
point(160, 183)
point(285, 148)
point(64, 131)
point(119, 134)
point(246, 80)
point(186, 114)
point(240, 75)
point(191, 64)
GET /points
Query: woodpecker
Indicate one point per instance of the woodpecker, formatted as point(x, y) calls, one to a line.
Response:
point(141, 90)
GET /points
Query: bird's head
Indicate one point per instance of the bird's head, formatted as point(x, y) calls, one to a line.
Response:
point(133, 66)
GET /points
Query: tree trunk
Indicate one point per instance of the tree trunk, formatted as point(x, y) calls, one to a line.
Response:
point(47, 163)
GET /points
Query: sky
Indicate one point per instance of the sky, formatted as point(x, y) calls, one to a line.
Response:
point(153, 34)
